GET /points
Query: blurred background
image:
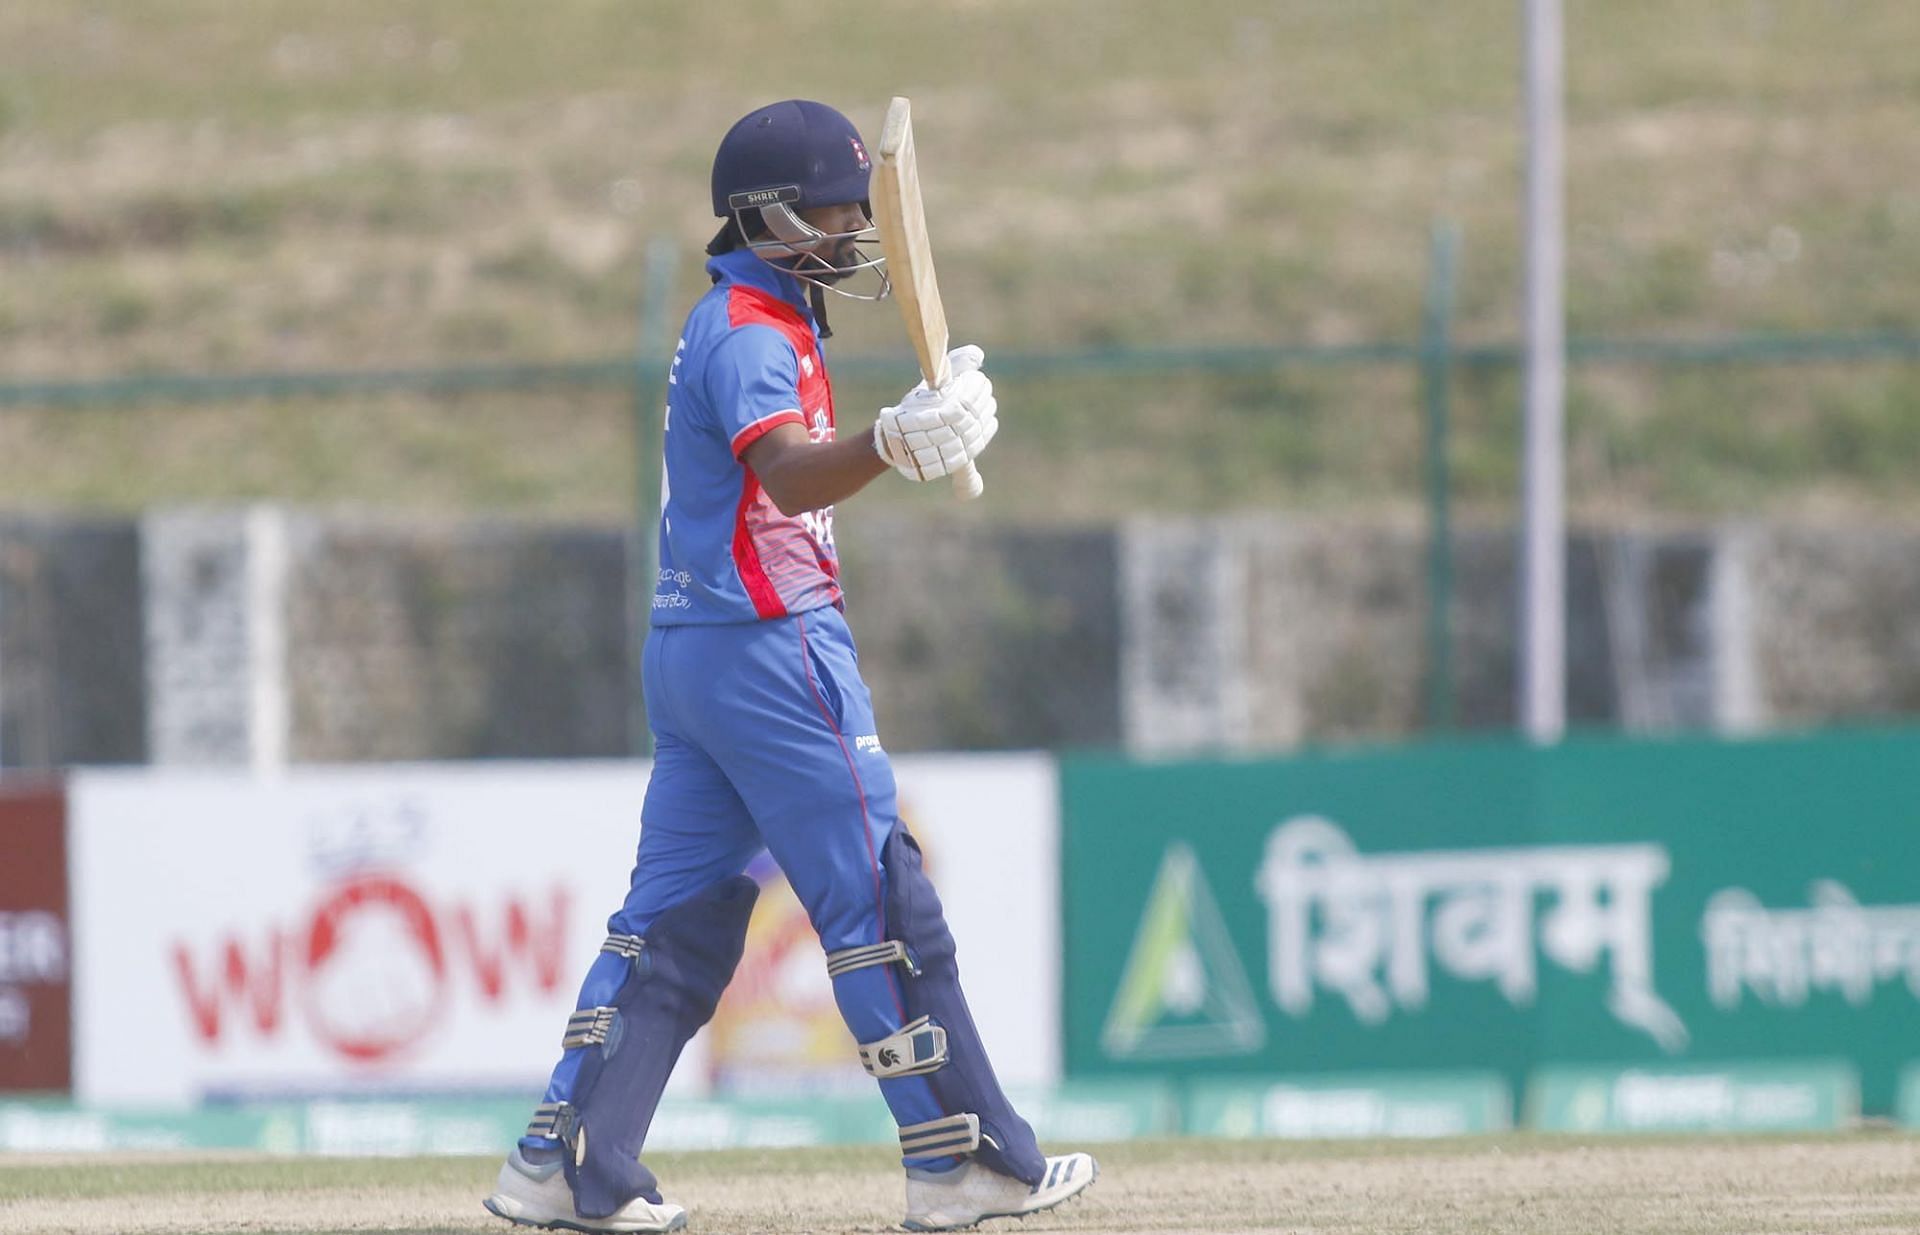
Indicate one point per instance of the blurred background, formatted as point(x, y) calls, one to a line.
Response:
point(332, 346)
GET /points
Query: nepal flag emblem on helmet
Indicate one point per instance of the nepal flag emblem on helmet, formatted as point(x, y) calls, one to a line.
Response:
point(860, 153)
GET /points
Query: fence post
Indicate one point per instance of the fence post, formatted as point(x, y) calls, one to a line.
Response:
point(653, 359)
point(1436, 373)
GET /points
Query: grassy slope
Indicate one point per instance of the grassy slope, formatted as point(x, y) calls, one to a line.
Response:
point(195, 185)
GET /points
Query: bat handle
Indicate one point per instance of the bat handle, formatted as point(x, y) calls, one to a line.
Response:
point(967, 483)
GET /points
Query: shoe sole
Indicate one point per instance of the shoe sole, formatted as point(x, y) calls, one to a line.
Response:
point(1077, 1193)
point(562, 1224)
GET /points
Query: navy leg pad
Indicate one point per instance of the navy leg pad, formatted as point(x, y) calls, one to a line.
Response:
point(675, 978)
point(966, 1083)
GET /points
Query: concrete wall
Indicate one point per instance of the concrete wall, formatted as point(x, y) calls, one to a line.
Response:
point(71, 654)
point(260, 636)
point(975, 636)
point(456, 641)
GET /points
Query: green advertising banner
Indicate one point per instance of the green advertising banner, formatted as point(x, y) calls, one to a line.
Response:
point(1106, 1110)
point(374, 1127)
point(1093, 1111)
point(61, 1127)
point(1351, 1106)
point(1494, 905)
point(1792, 1097)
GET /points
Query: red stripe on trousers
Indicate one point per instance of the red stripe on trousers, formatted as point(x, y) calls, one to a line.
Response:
point(866, 823)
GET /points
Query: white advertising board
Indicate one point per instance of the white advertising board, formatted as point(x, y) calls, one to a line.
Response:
point(991, 829)
point(423, 929)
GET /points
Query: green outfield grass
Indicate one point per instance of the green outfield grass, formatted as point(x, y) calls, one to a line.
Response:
point(200, 186)
point(1867, 1184)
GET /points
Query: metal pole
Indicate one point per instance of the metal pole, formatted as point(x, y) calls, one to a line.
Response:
point(653, 359)
point(1436, 380)
point(5, 574)
point(1543, 615)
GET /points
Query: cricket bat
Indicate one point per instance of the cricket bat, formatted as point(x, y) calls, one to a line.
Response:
point(902, 220)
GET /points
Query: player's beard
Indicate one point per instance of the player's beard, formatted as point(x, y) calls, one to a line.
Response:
point(844, 253)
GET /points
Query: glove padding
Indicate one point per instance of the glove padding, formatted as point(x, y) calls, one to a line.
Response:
point(933, 433)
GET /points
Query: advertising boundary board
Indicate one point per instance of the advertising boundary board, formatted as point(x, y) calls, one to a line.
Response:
point(1066, 1114)
point(36, 974)
point(289, 925)
point(1471, 904)
point(1343, 1107)
point(1791, 1096)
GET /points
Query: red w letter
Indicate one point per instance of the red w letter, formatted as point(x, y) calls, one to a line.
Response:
point(256, 985)
point(537, 945)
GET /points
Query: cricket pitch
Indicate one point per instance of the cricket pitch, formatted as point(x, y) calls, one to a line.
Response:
point(1862, 1184)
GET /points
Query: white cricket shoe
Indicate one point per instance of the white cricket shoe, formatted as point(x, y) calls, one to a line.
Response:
point(970, 1193)
point(537, 1195)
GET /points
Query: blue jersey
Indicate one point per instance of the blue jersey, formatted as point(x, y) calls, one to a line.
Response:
point(748, 361)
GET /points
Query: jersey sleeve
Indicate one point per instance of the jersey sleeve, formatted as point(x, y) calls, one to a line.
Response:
point(753, 385)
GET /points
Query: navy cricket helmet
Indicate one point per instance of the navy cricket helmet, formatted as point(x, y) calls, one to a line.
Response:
point(798, 153)
point(782, 159)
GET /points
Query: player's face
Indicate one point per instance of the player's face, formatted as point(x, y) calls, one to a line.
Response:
point(840, 220)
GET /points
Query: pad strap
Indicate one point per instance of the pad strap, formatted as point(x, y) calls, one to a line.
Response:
point(914, 1049)
point(588, 1027)
point(953, 1134)
point(629, 946)
point(552, 1119)
point(846, 960)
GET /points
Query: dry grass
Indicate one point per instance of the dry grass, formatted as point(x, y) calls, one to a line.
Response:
point(189, 186)
point(1862, 1185)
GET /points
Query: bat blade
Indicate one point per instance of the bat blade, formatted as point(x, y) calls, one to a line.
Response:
point(902, 221)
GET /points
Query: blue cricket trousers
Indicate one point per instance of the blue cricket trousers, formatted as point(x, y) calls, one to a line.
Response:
point(764, 737)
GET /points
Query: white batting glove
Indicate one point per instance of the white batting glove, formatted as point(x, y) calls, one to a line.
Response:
point(933, 433)
point(965, 359)
point(960, 361)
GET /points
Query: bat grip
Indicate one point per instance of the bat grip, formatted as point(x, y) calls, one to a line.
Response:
point(967, 483)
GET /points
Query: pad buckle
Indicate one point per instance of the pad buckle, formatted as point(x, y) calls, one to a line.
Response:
point(914, 1049)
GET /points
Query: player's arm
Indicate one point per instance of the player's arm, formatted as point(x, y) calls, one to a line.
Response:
point(801, 474)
